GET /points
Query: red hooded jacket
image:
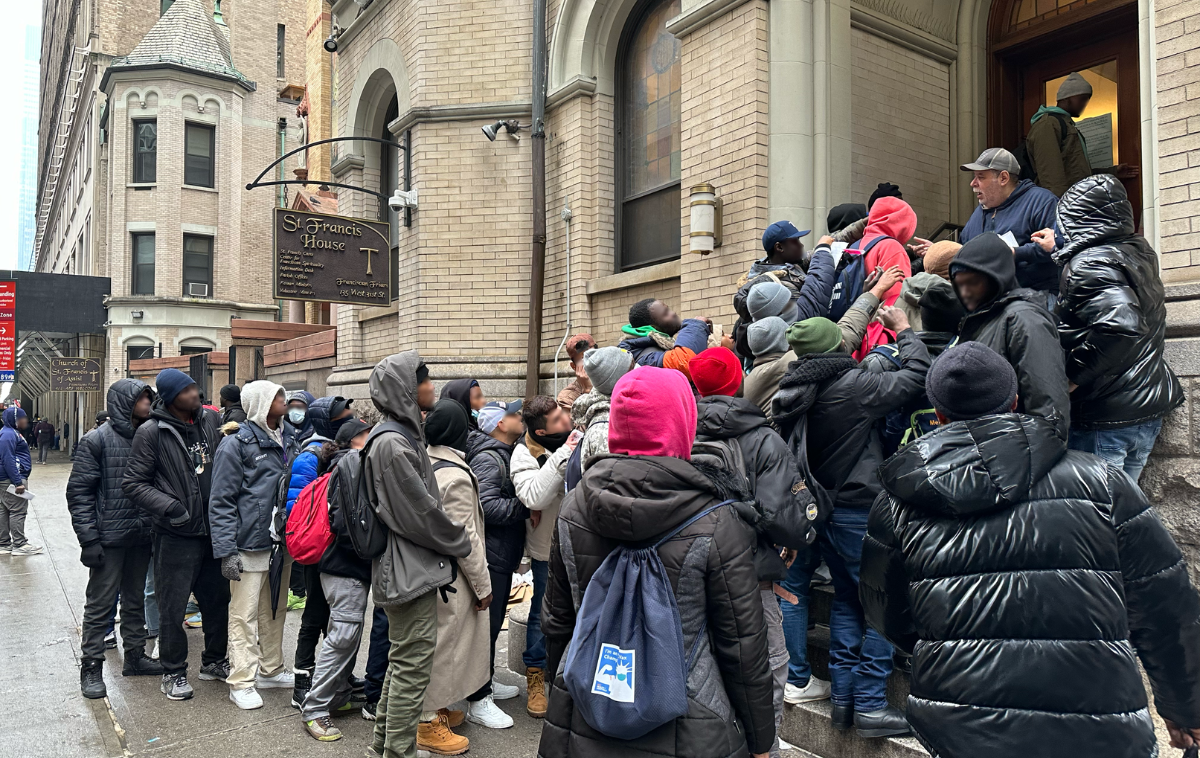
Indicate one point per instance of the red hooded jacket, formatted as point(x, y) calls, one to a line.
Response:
point(889, 217)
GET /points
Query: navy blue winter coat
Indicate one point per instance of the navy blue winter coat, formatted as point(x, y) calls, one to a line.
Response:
point(15, 463)
point(648, 352)
point(1028, 209)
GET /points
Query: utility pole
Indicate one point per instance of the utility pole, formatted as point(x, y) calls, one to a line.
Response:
point(537, 272)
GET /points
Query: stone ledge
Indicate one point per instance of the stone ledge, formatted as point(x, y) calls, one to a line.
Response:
point(626, 279)
point(1182, 291)
point(700, 15)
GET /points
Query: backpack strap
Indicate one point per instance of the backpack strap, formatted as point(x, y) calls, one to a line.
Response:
point(499, 462)
point(876, 241)
point(443, 464)
point(669, 535)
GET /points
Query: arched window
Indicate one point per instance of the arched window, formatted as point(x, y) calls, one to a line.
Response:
point(648, 138)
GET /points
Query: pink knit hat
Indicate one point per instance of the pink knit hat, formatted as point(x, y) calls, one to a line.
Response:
point(653, 412)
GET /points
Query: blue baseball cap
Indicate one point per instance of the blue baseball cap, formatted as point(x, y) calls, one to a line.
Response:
point(780, 231)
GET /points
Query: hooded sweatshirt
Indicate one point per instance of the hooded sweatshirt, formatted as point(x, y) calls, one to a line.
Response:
point(459, 390)
point(911, 290)
point(890, 217)
point(1017, 326)
point(15, 463)
point(1028, 209)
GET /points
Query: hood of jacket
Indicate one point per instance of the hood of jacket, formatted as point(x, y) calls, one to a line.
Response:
point(891, 217)
point(477, 442)
point(318, 416)
point(257, 398)
point(1022, 187)
point(394, 390)
point(589, 407)
point(459, 390)
point(11, 414)
point(1095, 209)
point(917, 285)
point(720, 417)
point(122, 396)
point(990, 256)
point(974, 467)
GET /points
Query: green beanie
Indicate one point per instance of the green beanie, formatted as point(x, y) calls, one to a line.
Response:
point(814, 335)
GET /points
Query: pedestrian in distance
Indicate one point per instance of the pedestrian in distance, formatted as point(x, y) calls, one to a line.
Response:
point(1027, 580)
point(231, 404)
point(43, 432)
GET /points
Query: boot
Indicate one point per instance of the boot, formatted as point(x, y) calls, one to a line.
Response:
point(888, 722)
point(842, 716)
point(137, 664)
point(436, 737)
point(91, 680)
point(536, 706)
point(301, 687)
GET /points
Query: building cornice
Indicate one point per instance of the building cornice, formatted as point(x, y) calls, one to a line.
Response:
point(579, 86)
point(700, 15)
point(347, 163)
point(903, 34)
point(465, 112)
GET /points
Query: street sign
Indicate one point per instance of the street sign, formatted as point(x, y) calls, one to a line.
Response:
point(8, 331)
point(74, 374)
point(332, 259)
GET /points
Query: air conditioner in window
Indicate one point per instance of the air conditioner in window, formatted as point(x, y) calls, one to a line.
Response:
point(196, 289)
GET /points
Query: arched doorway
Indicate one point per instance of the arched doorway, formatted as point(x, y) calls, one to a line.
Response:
point(1034, 44)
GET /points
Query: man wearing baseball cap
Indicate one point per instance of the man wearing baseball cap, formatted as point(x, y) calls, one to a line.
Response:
point(1014, 208)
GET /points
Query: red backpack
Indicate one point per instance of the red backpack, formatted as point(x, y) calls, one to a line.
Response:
point(308, 535)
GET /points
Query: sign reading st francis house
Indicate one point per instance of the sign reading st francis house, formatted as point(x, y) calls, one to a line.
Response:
point(332, 259)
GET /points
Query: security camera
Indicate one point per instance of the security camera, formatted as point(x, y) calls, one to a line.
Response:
point(402, 200)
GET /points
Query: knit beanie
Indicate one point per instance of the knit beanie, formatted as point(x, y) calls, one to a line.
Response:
point(938, 257)
point(232, 393)
point(653, 412)
point(170, 382)
point(716, 371)
point(768, 299)
point(814, 335)
point(885, 189)
point(303, 396)
point(767, 336)
point(1073, 85)
point(941, 310)
point(447, 424)
point(605, 365)
point(969, 381)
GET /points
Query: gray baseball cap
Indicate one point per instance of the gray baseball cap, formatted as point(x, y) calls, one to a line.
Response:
point(995, 159)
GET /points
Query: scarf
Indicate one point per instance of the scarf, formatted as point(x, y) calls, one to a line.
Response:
point(798, 388)
point(662, 340)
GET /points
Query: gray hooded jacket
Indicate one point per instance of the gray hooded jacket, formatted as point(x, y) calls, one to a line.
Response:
point(422, 539)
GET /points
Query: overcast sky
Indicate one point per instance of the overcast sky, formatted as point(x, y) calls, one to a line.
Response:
point(17, 16)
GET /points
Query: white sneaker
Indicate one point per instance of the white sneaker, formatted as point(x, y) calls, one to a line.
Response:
point(817, 689)
point(247, 699)
point(501, 691)
point(486, 713)
point(154, 653)
point(283, 680)
point(27, 549)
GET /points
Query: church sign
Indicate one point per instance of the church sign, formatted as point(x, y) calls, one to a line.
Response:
point(332, 259)
point(74, 374)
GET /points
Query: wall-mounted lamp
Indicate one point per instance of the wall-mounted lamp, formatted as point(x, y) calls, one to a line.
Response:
point(512, 127)
point(135, 314)
point(331, 42)
point(705, 231)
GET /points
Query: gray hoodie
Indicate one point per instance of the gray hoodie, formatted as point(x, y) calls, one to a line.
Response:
point(422, 539)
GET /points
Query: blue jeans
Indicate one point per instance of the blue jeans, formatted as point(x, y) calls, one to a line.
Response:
point(795, 619)
point(151, 605)
point(535, 643)
point(860, 659)
point(1126, 448)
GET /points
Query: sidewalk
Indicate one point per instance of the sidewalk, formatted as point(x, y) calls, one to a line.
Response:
point(41, 606)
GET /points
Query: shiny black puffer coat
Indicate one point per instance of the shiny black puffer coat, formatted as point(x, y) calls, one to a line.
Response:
point(100, 510)
point(1112, 317)
point(710, 566)
point(1027, 580)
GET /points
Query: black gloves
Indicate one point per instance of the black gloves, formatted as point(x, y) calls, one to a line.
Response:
point(92, 555)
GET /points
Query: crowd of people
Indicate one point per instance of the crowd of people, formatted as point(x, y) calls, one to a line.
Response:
point(953, 433)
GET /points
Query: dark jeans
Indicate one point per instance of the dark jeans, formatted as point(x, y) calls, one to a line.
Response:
point(299, 585)
point(377, 656)
point(184, 566)
point(860, 659)
point(535, 644)
point(123, 571)
point(1126, 448)
point(501, 584)
point(795, 617)
point(313, 621)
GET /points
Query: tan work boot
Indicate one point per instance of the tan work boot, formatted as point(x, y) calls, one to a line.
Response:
point(454, 719)
point(436, 737)
point(537, 704)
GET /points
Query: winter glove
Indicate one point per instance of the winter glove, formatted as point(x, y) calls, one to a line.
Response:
point(181, 518)
point(92, 555)
point(231, 567)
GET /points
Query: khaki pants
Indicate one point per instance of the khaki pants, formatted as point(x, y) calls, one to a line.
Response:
point(255, 639)
point(412, 629)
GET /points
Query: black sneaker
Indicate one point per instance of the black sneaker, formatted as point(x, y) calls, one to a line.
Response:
point(91, 680)
point(301, 688)
point(357, 684)
point(176, 687)
point(368, 710)
point(137, 664)
point(218, 671)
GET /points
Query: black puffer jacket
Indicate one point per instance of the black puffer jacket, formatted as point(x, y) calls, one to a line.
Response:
point(100, 510)
point(503, 514)
point(1112, 316)
point(711, 569)
point(771, 471)
point(1017, 325)
point(1024, 577)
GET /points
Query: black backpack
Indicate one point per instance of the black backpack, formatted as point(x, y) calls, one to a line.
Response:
point(1028, 171)
point(367, 534)
point(851, 276)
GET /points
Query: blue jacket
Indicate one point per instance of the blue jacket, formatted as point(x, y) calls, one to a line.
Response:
point(1028, 209)
point(304, 469)
point(15, 463)
point(647, 352)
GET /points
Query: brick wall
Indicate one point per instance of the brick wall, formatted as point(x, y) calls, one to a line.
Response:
point(1177, 30)
point(901, 127)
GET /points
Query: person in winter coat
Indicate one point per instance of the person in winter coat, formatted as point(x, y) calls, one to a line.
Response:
point(231, 404)
point(1027, 581)
point(656, 336)
point(422, 543)
point(246, 473)
point(1014, 322)
point(606, 365)
point(539, 465)
point(1112, 323)
point(468, 394)
point(298, 424)
point(114, 537)
point(460, 662)
point(889, 217)
point(1009, 204)
point(643, 489)
point(910, 296)
point(828, 402)
point(581, 384)
point(15, 466)
point(169, 475)
point(770, 481)
point(43, 433)
point(489, 454)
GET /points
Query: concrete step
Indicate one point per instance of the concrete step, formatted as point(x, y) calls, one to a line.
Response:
point(807, 726)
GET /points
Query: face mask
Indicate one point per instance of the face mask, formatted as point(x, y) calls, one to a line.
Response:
point(552, 442)
point(297, 416)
